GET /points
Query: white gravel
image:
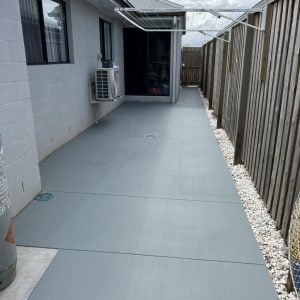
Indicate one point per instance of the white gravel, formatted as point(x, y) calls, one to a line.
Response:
point(268, 237)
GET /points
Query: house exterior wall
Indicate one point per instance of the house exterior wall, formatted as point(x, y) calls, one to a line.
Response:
point(44, 106)
point(60, 95)
point(16, 117)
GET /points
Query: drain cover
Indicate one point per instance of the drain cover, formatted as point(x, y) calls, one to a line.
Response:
point(44, 197)
point(151, 136)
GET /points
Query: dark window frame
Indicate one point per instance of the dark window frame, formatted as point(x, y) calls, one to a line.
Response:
point(43, 35)
point(102, 22)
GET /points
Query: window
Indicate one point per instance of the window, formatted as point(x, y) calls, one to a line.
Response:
point(105, 43)
point(45, 31)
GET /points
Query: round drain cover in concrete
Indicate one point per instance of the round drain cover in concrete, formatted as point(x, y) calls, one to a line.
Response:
point(44, 197)
point(151, 136)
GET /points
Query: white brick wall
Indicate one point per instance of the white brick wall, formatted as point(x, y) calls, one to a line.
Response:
point(16, 117)
point(60, 96)
point(43, 107)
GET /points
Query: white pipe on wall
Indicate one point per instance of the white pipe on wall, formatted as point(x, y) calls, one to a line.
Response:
point(174, 60)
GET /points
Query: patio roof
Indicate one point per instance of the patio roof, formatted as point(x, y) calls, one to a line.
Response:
point(148, 4)
point(158, 15)
point(161, 15)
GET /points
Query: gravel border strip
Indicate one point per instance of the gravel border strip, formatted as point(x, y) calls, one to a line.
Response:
point(272, 245)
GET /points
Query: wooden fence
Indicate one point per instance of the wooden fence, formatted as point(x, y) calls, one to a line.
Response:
point(256, 97)
point(208, 66)
point(191, 70)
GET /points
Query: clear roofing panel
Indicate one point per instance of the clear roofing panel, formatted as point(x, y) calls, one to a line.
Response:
point(159, 15)
point(153, 4)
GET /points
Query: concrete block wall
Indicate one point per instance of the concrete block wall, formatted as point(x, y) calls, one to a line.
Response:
point(16, 117)
point(60, 95)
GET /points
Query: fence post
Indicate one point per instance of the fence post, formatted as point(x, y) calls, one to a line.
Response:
point(201, 70)
point(266, 41)
point(212, 72)
point(223, 77)
point(244, 92)
point(230, 49)
point(206, 69)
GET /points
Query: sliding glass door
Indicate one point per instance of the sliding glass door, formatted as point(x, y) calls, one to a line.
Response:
point(147, 62)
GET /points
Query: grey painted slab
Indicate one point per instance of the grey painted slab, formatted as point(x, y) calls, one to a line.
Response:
point(138, 166)
point(185, 120)
point(160, 227)
point(166, 120)
point(170, 242)
point(85, 275)
point(114, 157)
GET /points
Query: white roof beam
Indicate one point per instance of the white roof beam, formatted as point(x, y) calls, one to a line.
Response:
point(186, 9)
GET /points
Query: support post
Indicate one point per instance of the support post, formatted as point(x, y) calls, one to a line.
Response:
point(212, 72)
point(223, 78)
point(230, 58)
point(266, 41)
point(244, 92)
point(203, 68)
point(206, 69)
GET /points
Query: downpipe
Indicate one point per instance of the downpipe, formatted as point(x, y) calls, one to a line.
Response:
point(174, 58)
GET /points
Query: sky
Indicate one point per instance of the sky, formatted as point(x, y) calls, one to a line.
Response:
point(207, 21)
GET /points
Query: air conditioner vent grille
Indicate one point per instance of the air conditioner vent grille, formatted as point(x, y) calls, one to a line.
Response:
point(107, 84)
point(102, 84)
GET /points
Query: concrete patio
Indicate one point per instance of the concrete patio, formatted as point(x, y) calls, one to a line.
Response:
point(145, 208)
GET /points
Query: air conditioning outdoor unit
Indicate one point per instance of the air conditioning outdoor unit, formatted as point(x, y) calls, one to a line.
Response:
point(106, 85)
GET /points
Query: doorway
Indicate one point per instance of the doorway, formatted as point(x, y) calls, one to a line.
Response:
point(147, 62)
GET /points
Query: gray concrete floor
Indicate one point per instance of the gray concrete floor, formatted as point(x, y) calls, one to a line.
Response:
point(31, 266)
point(141, 218)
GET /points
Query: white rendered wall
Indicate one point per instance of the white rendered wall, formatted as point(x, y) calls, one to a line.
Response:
point(60, 96)
point(16, 118)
